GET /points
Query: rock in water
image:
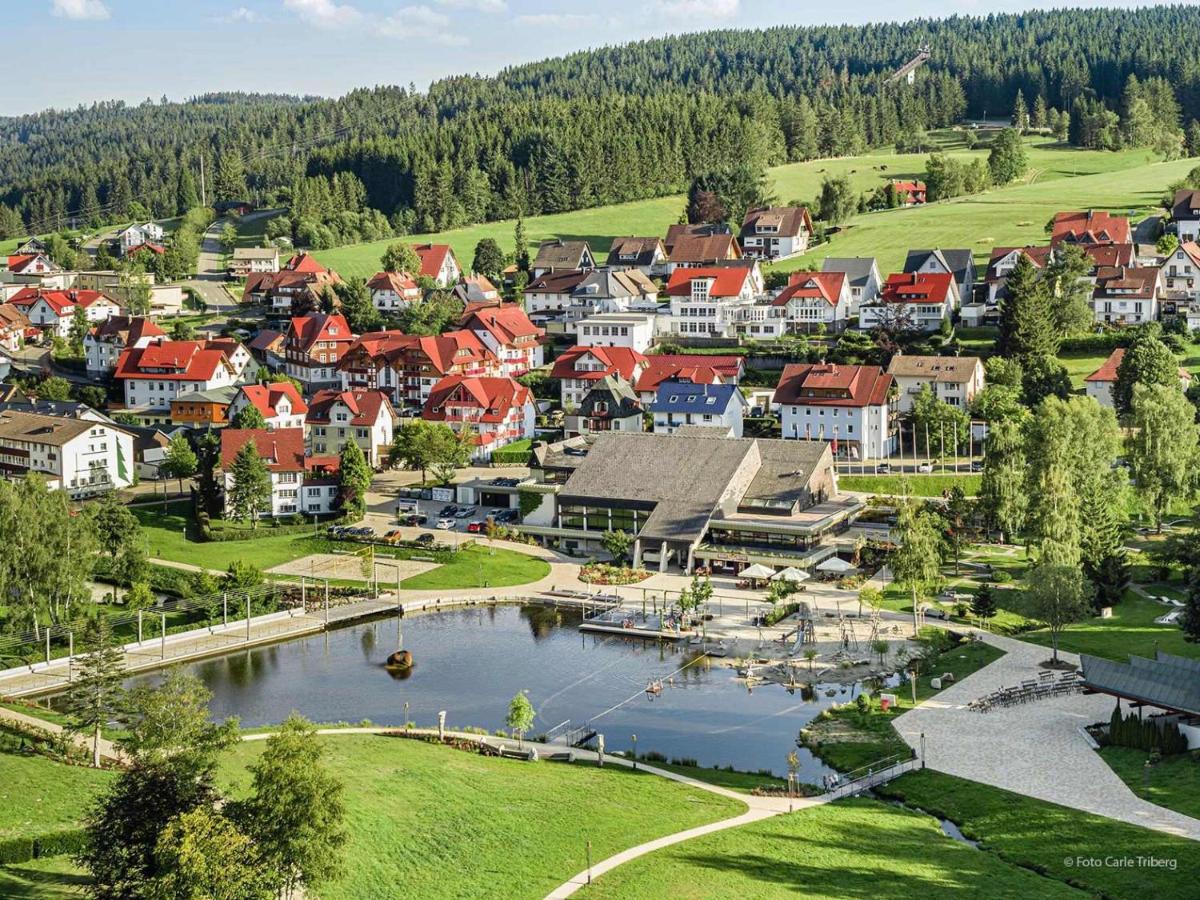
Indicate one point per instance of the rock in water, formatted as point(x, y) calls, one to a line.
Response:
point(401, 658)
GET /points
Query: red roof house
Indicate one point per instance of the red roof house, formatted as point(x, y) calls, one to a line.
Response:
point(1090, 227)
point(498, 411)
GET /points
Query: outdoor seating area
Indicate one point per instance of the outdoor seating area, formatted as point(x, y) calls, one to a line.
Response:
point(1048, 684)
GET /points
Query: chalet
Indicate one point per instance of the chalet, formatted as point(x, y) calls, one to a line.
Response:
point(700, 246)
point(558, 255)
point(497, 411)
point(1099, 385)
point(1090, 227)
point(302, 277)
point(293, 490)
point(609, 405)
point(911, 302)
point(646, 254)
point(862, 274)
point(279, 403)
point(407, 366)
point(81, 456)
point(54, 310)
point(153, 375)
point(851, 406)
point(1185, 213)
point(204, 409)
point(394, 291)
point(908, 192)
point(247, 261)
point(267, 347)
point(814, 300)
point(312, 347)
point(27, 267)
point(147, 234)
point(678, 404)
point(1126, 295)
point(14, 327)
point(952, 379)
point(958, 263)
point(104, 343)
point(438, 263)
point(775, 232)
point(579, 368)
point(704, 301)
point(336, 417)
point(509, 334)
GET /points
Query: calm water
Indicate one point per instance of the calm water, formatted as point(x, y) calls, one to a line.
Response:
point(471, 662)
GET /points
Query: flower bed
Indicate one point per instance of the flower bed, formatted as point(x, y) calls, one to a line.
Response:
point(606, 573)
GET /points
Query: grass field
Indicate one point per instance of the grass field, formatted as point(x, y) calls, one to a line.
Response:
point(1131, 630)
point(481, 566)
point(55, 878)
point(1173, 782)
point(1052, 839)
point(918, 485)
point(854, 848)
point(427, 821)
point(39, 795)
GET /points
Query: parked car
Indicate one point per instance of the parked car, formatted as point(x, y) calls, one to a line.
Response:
point(465, 513)
point(448, 510)
point(426, 538)
point(976, 465)
point(883, 468)
point(925, 468)
point(476, 527)
point(446, 524)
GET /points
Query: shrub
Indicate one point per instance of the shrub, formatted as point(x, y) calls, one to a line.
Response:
point(16, 850)
point(780, 612)
point(60, 843)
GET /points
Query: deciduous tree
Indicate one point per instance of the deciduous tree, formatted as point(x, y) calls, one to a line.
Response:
point(1162, 447)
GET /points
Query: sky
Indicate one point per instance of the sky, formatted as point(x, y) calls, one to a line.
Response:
point(79, 51)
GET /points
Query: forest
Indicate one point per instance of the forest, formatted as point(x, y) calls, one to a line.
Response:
point(592, 128)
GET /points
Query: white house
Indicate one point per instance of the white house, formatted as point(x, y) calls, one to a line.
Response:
point(646, 254)
point(439, 263)
point(294, 489)
point(54, 311)
point(279, 402)
point(952, 379)
point(862, 272)
point(337, 417)
point(246, 261)
point(497, 411)
point(81, 456)
point(393, 291)
point(139, 235)
point(678, 404)
point(104, 343)
point(775, 232)
point(581, 368)
point(1126, 295)
point(1185, 213)
point(152, 376)
point(705, 301)
point(911, 302)
point(850, 406)
point(1180, 274)
point(814, 300)
point(511, 337)
point(632, 330)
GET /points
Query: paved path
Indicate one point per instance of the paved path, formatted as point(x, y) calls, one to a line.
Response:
point(1034, 749)
point(108, 750)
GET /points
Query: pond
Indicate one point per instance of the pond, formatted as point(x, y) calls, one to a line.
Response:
point(470, 662)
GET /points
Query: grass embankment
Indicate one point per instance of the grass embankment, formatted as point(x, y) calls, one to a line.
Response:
point(428, 821)
point(53, 878)
point(39, 795)
point(917, 485)
point(1173, 782)
point(481, 566)
point(848, 739)
point(1053, 839)
point(854, 848)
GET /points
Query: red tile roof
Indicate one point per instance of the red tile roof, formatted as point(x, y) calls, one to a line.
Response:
point(170, 361)
point(828, 384)
point(19, 262)
point(282, 450)
point(507, 323)
point(660, 369)
point(728, 367)
point(305, 331)
point(60, 302)
point(443, 351)
point(728, 281)
point(265, 398)
point(364, 406)
point(1090, 227)
point(305, 262)
point(917, 287)
point(433, 257)
point(396, 282)
point(1109, 254)
point(825, 286)
point(620, 361)
point(267, 340)
point(495, 397)
point(1108, 369)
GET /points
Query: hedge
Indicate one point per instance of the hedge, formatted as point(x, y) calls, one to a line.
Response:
point(780, 612)
point(1096, 343)
point(16, 850)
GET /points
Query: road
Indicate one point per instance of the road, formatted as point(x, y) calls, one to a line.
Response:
point(210, 266)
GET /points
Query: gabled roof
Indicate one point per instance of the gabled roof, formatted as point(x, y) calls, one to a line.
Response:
point(933, 287)
point(1167, 681)
point(961, 263)
point(18, 263)
point(494, 397)
point(622, 361)
point(1108, 369)
point(563, 281)
point(1039, 256)
point(364, 406)
point(702, 229)
point(1138, 283)
point(59, 301)
point(786, 220)
point(616, 394)
point(282, 450)
point(267, 340)
point(171, 361)
point(1090, 227)
point(507, 323)
point(685, 397)
point(1186, 205)
point(1192, 250)
point(857, 268)
point(396, 282)
point(943, 369)
point(266, 397)
point(307, 330)
point(830, 384)
point(42, 429)
point(909, 186)
point(560, 254)
point(11, 317)
point(441, 351)
point(636, 251)
point(305, 262)
point(691, 248)
point(1109, 254)
point(825, 286)
point(728, 281)
point(730, 367)
point(125, 330)
point(433, 257)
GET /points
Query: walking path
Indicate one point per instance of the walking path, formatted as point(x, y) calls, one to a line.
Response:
point(108, 750)
point(1035, 749)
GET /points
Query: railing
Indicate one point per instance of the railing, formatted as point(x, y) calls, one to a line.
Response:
point(872, 775)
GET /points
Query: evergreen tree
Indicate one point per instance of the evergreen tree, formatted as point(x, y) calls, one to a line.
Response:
point(1039, 119)
point(489, 259)
point(1190, 620)
point(355, 303)
point(1020, 115)
point(1026, 322)
point(96, 696)
point(837, 201)
point(231, 177)
point(521, 246)
point(1071, 290)
point(250, 493)
point(983, 604)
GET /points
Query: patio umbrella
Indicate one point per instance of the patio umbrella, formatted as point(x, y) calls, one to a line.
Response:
point(835, 565)
point(791, 573)
point(757, 571)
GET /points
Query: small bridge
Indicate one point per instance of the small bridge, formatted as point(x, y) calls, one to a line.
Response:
point(863, 779)
point(570, 735)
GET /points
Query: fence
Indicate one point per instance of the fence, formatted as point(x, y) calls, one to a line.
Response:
point(870, 776)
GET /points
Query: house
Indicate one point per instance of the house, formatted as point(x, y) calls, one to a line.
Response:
point(569, 296)
point(700, 246)
point(27, 267)
point(609, 405)
point(558, 255)
point(704, 301)
point(952, 379)
point(862, 273)
point(695, 499)
point(775, 232)
point(1180, 276)
point(408, 366)
point(439, 263)
point(908, 192)
point(246, 261)
point(245, 366)
point(1185, 213)
point(983, 308)
point(31, 247)
point(279, 402)
point(680, 403)
point(551, 295)
point(394, 291)
point(1090, 227)
point(509, 334)
point(154, 375)
point(958, 263)
point(53, 311)
point(617, 329)
point(204, 409)
point(852, 406)
point(1099, 385)
point(696, 369)
point(283, 453)
point(497, 411)
point(14, 327)
point(82, 456)
point(336, 417)
point(267, 347)
point(312, 346)
point(302, 277)
point(476, 289)
point(136, 236)
point(815, 300)
point(646, 254)
point(104, 343)
point(579, 368)
point(1126, 295)
point(911, 302)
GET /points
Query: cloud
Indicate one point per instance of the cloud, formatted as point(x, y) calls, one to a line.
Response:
point(80, 10)
point(242, 14)
point(698, 9)
point(486, 6)
point(422, 23)
point(323, 13)
point(557, 20)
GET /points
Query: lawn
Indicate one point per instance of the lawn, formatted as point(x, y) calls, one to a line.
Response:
point(1131, 630)
point(428, 821)
point(854, 848)
point(918, 485)
point(1173, 782)
point(54, 878)
point(481, 565)
point(1052, 839)
point(39, 795)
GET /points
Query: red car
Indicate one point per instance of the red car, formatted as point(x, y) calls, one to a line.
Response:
point(476, 527)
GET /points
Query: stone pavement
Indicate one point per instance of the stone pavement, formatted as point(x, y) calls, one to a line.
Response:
point(1034, 749)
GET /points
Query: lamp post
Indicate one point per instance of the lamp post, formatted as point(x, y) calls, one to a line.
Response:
point(634, 752)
